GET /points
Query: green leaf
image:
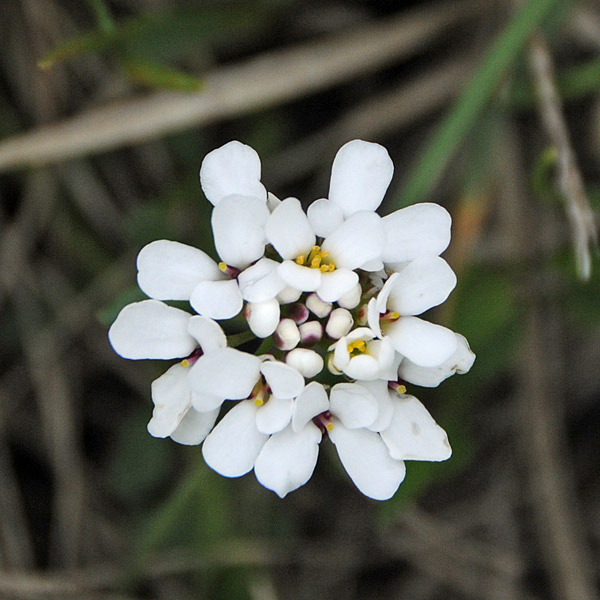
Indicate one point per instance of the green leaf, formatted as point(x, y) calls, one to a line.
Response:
point(154, 75)
point(469, 106)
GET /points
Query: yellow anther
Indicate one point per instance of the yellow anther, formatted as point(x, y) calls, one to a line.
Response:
point(315, 263)
point(395, 315)
point(258, 401)
point(222, 267)
point(359, 345)
point(401, 389)
point(300, 259)
point(329, 426)
point(328, 268)
point(185, 363)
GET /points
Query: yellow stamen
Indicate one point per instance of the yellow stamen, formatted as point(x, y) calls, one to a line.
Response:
point(258, 402)
point(300, 259)
point(316, 259)
point(185, 363)
point(223, 267)
point(359, 345)
point(395, 315)
point(401, 389)
point(329, 426)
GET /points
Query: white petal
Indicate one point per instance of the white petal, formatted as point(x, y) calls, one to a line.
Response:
point(289, 231)
point(305, 361)
point(260, 282)
point(233, 445)
point(358, 239)
point(317, 306)
point(416, 230)
point(373, 266)
point(194, 427)
point(363, 367)
point(217, 299)
point(460, 362)
point(151, 329)
point(352, 298)
point(413, 434)
point(238, 229)
point(367, 460)
point(284, 381)
point(272, 201)
point(341, 355)
point(205, 402)
point(336, 284)
point(424, 283)
point(288, 295)
point(299, 277)
point(231, 169)
point(227, 372)
point(426, 344)
point(380, 391)
point(373, 316)
point(386, 290)
point(287, 334)
point(170, 270)
point(311, 402)
point(324, 216)
point(207, 332)
point(288, 459)
point(360, 176)
point(274, 415)
point(263, 317)
point(353, 405)
point(171, 395)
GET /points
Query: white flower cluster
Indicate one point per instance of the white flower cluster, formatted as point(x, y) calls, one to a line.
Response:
point(332, 294)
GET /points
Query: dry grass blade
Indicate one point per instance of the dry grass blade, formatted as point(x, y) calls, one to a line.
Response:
point(579, 213)
point(266, 80)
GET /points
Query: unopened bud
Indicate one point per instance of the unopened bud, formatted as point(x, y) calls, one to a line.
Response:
point(351, 299)
point(339, 324)
point(317, 306)
point(307, 362)
point(262, 317)
point(298, 312)
point(311, 333)
point(287, 335)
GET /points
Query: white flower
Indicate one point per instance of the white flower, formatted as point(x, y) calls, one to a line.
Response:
point(327, 269)
point(305, 361)
point(422, 283)
point(360, 356)
point(460, 362)
point(345, 418)
point(151, 329)
point(234, 444)
point(413, 434)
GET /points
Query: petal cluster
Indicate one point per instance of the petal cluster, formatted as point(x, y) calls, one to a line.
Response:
point(334, 297)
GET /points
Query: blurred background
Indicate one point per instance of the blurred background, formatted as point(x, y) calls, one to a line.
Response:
point(491, 108)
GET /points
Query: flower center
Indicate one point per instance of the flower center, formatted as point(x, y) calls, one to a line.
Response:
point(186, 363)
point(261, 392)
point(324, 421)
point(316, 259)
point(357, 347)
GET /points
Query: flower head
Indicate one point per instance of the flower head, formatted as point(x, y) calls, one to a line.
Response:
point(332, 297)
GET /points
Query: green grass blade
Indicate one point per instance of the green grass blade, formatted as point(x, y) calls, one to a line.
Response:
point(468, 107)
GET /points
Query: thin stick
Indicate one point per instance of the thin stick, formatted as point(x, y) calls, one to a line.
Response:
point(264, 81)
point(570, 181)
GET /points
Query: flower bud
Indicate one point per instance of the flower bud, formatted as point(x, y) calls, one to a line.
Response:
point(311, 332)
point(262, 317)
point(317, 306)
point(351, 299)
point(288, 295)
point(339, 324)
point(307, 362)
point(287, 335)
point(298, 312)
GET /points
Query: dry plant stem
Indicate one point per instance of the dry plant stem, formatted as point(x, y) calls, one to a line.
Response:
point(539, 415)
point(260, 82)
point(570, 181)
point(376, 117)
